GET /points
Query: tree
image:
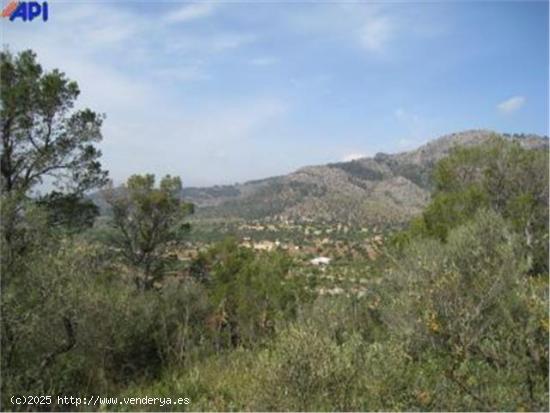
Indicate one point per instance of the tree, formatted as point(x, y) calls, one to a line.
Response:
point(502, 176)
point(69, 211)
point(41, 135)
point(252, 292)
point(146, 221)
point(471, 321)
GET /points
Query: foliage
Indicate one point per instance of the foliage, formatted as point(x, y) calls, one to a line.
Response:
point(146, 220)
point(310, 372)
point(71, 325)
point(500, 175)
point(41, 135)
point(43, 141)
point(69, 211)
point(250, 292)
point(468, 304)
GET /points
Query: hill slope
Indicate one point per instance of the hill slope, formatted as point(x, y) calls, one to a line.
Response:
point(385, 188)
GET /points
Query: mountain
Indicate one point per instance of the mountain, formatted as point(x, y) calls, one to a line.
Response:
point(383, 189)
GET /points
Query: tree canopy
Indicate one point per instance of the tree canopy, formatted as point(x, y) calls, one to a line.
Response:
point(499, 175)
point(146, 220)
point(42, 134)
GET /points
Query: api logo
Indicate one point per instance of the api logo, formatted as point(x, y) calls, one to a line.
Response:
point(26, 10)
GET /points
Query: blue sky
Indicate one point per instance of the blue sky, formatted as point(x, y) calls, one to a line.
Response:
point(221, 92)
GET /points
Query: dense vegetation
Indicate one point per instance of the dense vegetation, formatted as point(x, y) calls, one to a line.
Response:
point(454, 315)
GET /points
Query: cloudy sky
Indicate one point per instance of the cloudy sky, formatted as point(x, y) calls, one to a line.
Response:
point(220, 92)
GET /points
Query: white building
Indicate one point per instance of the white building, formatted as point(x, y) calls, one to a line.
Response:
point(320, 261)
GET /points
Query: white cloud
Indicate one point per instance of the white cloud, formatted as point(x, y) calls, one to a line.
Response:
point(208, 44)
point(230, 41)
point(353, 156)
point(191, 12)
point(511, 105)
point(204, 145)
point(182, 73)
point(375, 33)
point(264, 61)
point(367, 25)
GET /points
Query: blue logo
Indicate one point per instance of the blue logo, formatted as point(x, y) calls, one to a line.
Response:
point(26, 10)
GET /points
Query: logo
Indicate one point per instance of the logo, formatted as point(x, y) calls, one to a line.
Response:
point(26, 10)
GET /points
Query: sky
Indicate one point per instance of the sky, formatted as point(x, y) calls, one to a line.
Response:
point(219, 92)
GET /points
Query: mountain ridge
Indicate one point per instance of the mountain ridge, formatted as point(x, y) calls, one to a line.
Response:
point(379, 189)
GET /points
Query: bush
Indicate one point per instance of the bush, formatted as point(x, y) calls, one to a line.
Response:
point(72, 325)
point(468, 307)
point(251, 292)
point(307, 371)
point(502, 176)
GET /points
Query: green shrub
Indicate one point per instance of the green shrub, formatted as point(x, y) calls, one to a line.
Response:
point(502, 176)
point(72, 325)
point(251, 292)
point(469, 304)
point(306, 370)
